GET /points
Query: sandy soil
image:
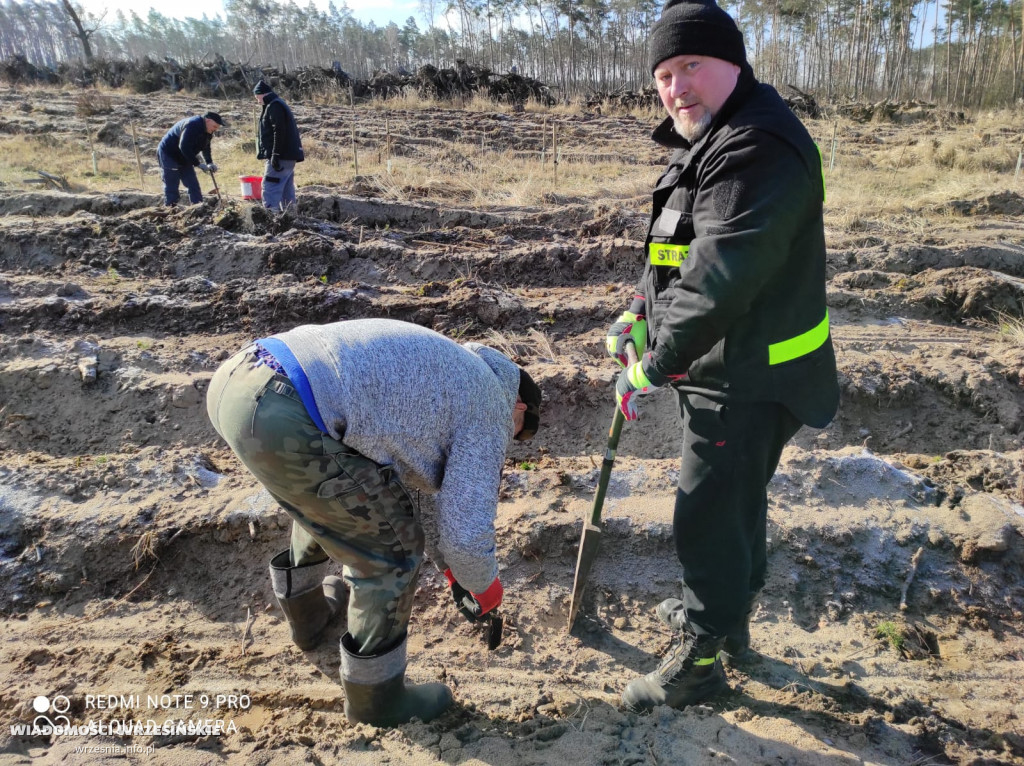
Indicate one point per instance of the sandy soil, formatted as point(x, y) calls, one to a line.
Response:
point(133, 546)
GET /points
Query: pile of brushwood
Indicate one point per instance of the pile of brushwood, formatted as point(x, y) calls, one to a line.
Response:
point(803, 104)
point(464, 80)
point(622, 99)
point(19, 69)
point(903, 112)
point(220, 78)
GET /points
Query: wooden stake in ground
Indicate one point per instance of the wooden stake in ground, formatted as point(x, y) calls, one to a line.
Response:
point(138, 159)
point(245, 630)
point(832, 156)
point(899, 160)
point(554, 149)
point(544, 142)
point(355, 152)
point(92, 150)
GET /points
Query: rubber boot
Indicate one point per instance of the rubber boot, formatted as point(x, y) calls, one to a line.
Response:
point(309, 597)
point(690, 673)
point(737, 642)
point(376, 692)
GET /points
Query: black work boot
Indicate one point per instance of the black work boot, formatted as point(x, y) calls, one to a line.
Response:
point(376, 692)
point(737, 642)
point(671, 612)
point(308, 597)
point(690, 673)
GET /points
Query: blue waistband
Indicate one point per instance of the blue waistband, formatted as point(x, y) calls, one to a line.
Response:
point(280, 359)
point(270, 360)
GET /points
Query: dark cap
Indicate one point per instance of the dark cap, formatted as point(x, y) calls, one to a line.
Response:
point(261, 88)
point(215, 117)
point(695, 28)
point(531, 395)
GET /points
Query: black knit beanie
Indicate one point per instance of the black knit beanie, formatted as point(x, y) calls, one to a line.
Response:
point(695, 28)
point(261, 88)
point(531, 395)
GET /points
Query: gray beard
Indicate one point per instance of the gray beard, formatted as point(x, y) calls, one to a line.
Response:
point(693, 131)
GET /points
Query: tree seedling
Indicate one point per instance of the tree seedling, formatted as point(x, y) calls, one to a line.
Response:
point(892, 634)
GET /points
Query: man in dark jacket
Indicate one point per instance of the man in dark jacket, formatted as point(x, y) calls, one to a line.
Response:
point(279, 144)
point(730, 312)
point(179, 155)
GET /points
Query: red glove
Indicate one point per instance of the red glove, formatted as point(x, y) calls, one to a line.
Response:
point(475, 605)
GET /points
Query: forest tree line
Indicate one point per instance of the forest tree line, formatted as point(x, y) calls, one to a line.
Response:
point(963, 53)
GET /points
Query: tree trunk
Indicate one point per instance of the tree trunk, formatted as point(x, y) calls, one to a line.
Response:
point(81, 32)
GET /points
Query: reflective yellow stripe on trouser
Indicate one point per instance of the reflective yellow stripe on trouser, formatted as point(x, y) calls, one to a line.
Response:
point(802, 344)
point(663, 254)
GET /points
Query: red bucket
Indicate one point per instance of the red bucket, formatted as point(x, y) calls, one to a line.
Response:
point(252, 187)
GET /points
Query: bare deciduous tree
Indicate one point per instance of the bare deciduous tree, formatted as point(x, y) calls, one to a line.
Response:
point(81, 32)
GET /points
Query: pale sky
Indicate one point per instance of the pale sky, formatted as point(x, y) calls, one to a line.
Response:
point(379, 12)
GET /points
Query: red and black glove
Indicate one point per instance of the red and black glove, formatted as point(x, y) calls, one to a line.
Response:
point(640, 378)
point(475, 605)
point(630, 326)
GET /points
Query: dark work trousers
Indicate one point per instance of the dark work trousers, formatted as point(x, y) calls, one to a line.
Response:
point(730, 453)
point(279, 185)
point(174, 173)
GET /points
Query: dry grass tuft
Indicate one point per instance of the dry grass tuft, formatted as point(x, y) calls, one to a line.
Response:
point(533, 345)
point(144, 548)
point(1010, 329)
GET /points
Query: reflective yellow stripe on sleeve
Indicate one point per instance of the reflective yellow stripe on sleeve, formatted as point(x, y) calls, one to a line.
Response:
point(801, 345)
point(663, 254)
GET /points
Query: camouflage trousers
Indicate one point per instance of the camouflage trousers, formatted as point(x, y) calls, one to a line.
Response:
point(342, 504)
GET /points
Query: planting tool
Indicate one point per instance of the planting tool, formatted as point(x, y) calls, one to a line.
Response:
point(495, 629)
point(470, 607)
point(591, 539)
point(216, 188)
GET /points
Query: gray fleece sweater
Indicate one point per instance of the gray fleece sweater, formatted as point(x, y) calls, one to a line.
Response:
point(440, 413)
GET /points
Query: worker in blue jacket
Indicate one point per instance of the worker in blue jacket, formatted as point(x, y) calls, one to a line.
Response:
point(185, 147)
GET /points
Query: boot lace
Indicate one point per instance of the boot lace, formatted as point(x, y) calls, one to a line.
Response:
point(688, 649)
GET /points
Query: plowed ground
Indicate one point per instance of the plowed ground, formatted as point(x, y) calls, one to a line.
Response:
point(133, 546)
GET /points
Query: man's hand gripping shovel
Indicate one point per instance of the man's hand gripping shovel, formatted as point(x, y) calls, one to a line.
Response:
point(591, 539)
point(216, 188)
